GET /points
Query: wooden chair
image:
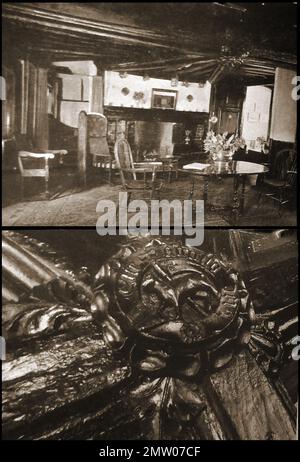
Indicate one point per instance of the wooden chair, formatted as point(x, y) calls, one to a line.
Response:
point(34, 162)
point(34, 165)
point(255, 157)
point(280, 184)
point(24, 143)
point(129, 170)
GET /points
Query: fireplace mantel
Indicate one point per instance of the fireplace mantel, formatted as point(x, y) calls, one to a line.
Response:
point(159, 115)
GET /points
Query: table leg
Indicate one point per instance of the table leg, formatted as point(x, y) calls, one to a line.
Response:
point(47, 193)
point(192, 188)
point(205, 191)
point(110, 171)
point(236, 199)
point(242, 195)
point(176, 169)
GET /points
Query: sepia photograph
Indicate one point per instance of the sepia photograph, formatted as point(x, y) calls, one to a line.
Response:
point(173, 101)
point(149, 225)
point(141, 338)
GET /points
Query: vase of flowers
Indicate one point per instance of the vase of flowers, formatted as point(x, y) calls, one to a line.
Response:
point(221, 147)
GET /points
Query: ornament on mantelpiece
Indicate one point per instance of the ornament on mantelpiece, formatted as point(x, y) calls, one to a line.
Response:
point(185, 83)
point(201, 84)
point(174, 81)
point(123, 75)
point(146, 77)
point(213, 119)
point(187, 136)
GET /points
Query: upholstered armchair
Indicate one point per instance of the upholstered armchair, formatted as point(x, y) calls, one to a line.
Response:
point(93, 149)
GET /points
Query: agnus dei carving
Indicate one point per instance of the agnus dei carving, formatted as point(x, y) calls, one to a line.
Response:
point(174, 305)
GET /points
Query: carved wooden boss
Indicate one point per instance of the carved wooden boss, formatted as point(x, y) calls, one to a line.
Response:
point(178, 353)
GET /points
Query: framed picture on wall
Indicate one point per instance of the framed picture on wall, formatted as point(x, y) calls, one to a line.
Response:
point(163, 99)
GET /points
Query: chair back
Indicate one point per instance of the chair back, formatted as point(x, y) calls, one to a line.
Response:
point(97, 132)
point(23, 143)
point(92, 141)
point(124, 160)
point(292, 169)
point(285, 166)
point(257, 157)
point(240, 154)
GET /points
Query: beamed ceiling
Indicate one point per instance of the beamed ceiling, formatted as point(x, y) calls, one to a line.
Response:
point(195, 41)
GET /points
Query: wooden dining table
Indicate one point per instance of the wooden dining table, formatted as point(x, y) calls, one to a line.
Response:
point(238, 170)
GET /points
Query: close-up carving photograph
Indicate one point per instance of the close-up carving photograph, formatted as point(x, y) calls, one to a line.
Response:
point(149, 227)
point(146, 338)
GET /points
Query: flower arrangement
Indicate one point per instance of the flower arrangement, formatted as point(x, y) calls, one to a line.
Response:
point(222, 146)
point(263, 144)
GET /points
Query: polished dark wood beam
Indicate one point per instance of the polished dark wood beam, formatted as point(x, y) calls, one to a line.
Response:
point(272, 56)
point(216, 74)
point(133, 35)
point(199, 69)
point(162, 64)
point(53, 35)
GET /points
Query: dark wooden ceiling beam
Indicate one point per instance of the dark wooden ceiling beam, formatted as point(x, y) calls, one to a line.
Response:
point(254, 74)
point(52, 37)
point(160, 64)
point(62, 51)
point(126, 34)
point(273, 56)
point(184, 58)
point(259, 65)
point(199, 69)
point(259, 62)
point(69, 36)
point(185, 67)
point(231, 6)
point(217, 73)
point(258, 70)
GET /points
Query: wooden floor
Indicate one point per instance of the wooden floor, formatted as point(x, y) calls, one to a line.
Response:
point(71, 205)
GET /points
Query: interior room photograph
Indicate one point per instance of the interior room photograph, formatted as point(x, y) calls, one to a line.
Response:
point(160, 100)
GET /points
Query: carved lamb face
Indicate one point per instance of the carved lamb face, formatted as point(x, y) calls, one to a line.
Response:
point(168, 297)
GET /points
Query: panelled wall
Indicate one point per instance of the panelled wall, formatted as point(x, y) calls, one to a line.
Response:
point(25, 110)
point(8, 103)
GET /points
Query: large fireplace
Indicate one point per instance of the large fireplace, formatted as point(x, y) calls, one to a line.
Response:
point(154, 137)
point(161, 132)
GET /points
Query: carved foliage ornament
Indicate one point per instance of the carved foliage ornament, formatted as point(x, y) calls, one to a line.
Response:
point(176, 310)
